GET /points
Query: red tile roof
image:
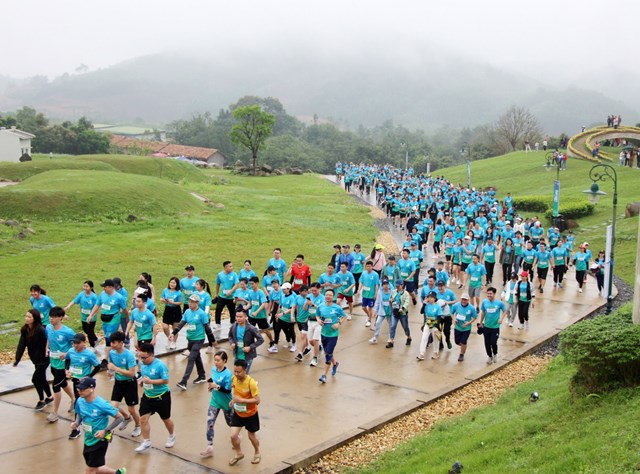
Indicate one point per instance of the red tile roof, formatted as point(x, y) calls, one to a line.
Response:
point(170, 149)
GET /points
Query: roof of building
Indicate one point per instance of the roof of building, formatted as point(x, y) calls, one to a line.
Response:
point(170, 149)
point(17, 133)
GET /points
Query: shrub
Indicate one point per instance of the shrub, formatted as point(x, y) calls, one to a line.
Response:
point(606, 351)
point(572, 208)
point(531, 203)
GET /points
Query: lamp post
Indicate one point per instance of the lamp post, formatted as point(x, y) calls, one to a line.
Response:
point(603, 172)
point(466, 150)
point(552, 162)
point(406, 156)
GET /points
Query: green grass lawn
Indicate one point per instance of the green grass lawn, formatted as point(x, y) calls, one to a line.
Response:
point(301, 214)
point(557, 434)
point(524, 174)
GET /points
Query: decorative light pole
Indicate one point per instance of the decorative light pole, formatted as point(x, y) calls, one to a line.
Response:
point(603, 172)
point(406, 156)
point(552, 161)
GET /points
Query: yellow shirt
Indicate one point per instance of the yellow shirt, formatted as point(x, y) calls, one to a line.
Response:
point(248, 388)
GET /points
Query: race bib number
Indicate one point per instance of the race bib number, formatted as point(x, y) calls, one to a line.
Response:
point(312, 310)
point(138, 324)
point(147, 386)
point(76, 371)
point(460, 317)
point(85, 311)
point(385, 303)
point(87, 428)
point(255, 303)
point(474, 278)
point(297, 281)
point(327, 321)
point(366, 288)
point(105, 307)
point(188, 292)
point(191, 327)
point(240, 407)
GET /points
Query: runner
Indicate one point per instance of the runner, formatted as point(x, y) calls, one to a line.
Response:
point(314, 300)
point(244, 401)
point(196, 320)
point(509, 298)
point(302, 321)
point(382, 309)
point(86, 299)
point(370, 281)
point(203, 292)
point(559, 260)
point(40, 301)
point(156, 397)
point(244, 338)
point(172, 298)
point(226, 283)
point(110, 304)
point(299, 272)
point(476, 272)
point(543, 258)
point(92, 413)
point(188, 286)
point(447, 296)
point(123, 364)
point(431, 327)
point(143, 321)
point(220, 388)
point(464, 314)
point(246, 271)
point(524, 298)
point(399, 312)
point(407, 271)
point(258, 311)
point(278, 263)
point(286, 317)
point(33, 338)
point(347, 287)
point(79, 363)
point(59, 341)
point(330, 317)
point(492, 313)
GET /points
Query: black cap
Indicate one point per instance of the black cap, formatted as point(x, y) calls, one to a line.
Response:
point(85, 383)
point(356, 246)
point(107, 282)
point(336, 246)
point(189, 267)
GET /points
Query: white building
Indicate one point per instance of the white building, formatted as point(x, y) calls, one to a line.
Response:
point(14, 143)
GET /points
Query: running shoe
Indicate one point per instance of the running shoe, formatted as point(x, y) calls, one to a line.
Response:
point(490, 360)
point(137, 431)
point(306, 351)
point(52, 417)
point(420, 357)
point(373, 340)
point(349, 317)
point(292, 348)
point(323, 379)
point(48, 401)
point(334, 369)
point(299, 357)
point(460, 357)
point(495, 358)
point(408, 343)
point(200, 380)
point(367, 324)
point(449, 346)
point(75, 434)
point(186, 352)
point(171, 441)
point(389, 345)
point(40, 405)
point(314, 362)
point(146, 444)
point(182, 386)
point(273, 349)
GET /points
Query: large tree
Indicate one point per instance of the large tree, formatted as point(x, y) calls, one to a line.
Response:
point(516, 125)
point(252, 130)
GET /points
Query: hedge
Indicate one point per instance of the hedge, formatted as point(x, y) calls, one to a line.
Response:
point(570, 208)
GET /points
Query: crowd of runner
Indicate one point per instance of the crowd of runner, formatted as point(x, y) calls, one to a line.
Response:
point(467, 232)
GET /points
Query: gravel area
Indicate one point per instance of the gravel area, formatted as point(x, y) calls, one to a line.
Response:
point(479, 393)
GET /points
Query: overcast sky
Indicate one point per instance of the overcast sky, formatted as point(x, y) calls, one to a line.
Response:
point(558, 41)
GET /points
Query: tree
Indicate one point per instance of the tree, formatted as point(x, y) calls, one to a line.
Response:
point(517, 124)
point(252, 130)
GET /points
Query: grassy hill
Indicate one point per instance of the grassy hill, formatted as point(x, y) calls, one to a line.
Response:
point(79, 195)
point(524, 174)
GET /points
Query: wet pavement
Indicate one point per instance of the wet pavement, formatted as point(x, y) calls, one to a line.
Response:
point(300, 418)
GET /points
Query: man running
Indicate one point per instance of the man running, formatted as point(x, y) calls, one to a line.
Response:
point(123, 364)
point(330, 317)
point(244, 402)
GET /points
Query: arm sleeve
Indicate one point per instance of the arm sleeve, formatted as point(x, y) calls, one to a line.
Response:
point(22, 344)
point(180, 326)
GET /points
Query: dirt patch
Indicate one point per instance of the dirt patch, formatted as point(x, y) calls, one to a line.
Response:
point(479, 393)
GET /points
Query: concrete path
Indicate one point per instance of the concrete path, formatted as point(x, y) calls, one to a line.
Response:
point(300, 418)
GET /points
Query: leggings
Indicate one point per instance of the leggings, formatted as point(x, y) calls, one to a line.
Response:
point(523, 311)
point(558, 273)
point(506, 273)
point(446, 330)
point(39, 380)
point(436, 247)
point(220, 305)
point(212, 416)
point(489, 267)
point(600, 280)
point(580, 274)
point(287, 328)
point(491, 340)
point(90, 330)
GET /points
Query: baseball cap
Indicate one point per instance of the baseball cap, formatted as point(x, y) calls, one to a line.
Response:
point(414, 243)
point(79, 337)
point(399, 282)
point(107, 282)
point(346, 246)
point(379, 247)
point(336, 246)
point(586, 244)
point(85, 383)
point(286, 286)
point(356, 246)
point(514, 275)
point(195, 298)
point(189, 267)
point(465, 296)
point(524, 274)
point(440, 283)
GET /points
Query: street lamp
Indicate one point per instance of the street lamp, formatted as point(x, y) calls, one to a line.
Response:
point(406, 156)
point(466, 149)
point(603, 172)
point(552, 161)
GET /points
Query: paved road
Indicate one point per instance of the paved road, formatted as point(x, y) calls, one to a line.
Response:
point(299, 416)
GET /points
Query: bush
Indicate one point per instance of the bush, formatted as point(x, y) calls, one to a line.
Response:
point(572, 209)
point(531, 203)
point(606, 351)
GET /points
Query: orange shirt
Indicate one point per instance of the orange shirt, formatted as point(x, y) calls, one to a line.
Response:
point(248, 388)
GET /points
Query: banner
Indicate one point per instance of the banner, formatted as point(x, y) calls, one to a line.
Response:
point(556, 198)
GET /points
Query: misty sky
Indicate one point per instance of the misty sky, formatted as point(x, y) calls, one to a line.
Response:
point(559, 42)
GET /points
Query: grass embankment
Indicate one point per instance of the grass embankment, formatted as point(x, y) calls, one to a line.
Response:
point(301, 214)
point(524, 174)
point(558, 433)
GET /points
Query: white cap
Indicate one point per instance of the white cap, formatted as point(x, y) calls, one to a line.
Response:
point(465, 296)
point(286, 286)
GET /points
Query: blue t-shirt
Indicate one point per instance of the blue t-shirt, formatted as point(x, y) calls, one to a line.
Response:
point(44, 305)
point(94, 417)
point(347, 279)
point(86, 303)
point(222, 378)
point(240, 330)
point(280, 265)
point(369, 283)
point(329, 315)
point(205, 300)
point(125, 361)
point(111, 305)
point(173, 296)
point(143, 322)
point(60, 341)
point(188, 286)
point(543, 258)
point(81, 363)
point(226, 282)
point(248, 274)
point(407, 267)
point(462, 315)
point(156, 370)
point(257, 298)
point(195, 324)
point(492, 311)
point(475, 272)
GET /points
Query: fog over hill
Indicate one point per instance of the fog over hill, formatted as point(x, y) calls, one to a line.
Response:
point(426, 89)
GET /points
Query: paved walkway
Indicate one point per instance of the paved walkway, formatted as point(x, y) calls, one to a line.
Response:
point(300, 418)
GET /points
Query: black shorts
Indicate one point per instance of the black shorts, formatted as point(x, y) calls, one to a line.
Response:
point(448, 257)
point(171, 315)
point(250, 423)
point(160, 405)
point(127, 389)
point(59, 379)
point(542, 273)
point(460, 337)
point(260, 323)
point(94, 456)
point(303, 326)
point(463, 266)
